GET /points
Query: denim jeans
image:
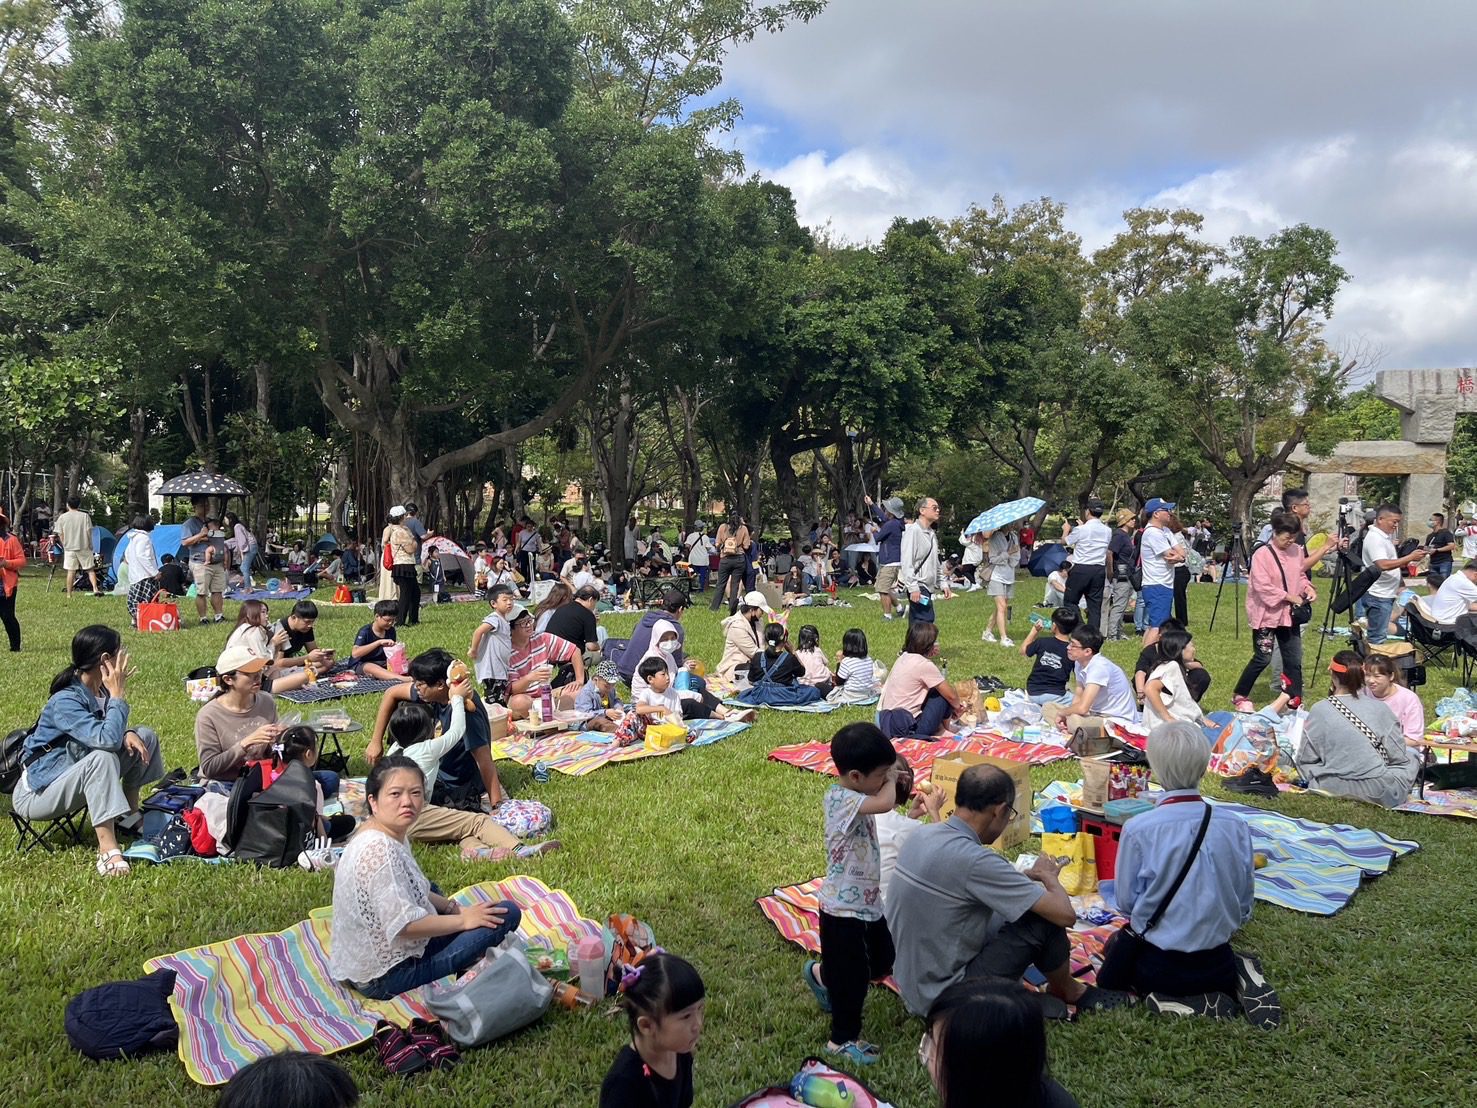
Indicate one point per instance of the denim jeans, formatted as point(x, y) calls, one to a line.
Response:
point(445, 955)
point(246, 560)
point(1377, 610)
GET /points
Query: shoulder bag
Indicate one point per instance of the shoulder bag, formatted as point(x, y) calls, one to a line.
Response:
point(1301, 613)
point(1126, 947)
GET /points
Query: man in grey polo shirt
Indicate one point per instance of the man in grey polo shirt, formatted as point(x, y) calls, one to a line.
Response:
point(958, 909)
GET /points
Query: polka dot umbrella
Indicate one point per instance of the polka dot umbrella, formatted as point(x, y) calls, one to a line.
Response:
point(201, 483)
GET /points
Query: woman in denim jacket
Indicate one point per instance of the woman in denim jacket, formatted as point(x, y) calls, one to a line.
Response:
point(83, 753)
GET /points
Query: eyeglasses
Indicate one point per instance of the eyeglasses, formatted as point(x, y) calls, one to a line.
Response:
point(925, 1050)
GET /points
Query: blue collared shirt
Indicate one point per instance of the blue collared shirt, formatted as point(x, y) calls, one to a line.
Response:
point(76, 714)
point(1216, 897)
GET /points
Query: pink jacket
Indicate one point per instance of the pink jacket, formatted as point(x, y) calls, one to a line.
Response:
point(1266, 596)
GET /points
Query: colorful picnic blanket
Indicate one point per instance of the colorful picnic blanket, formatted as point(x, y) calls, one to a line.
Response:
point(263, 594)
point(819, 707)
point(816, 756)
point(1443, 802)
point(333, 690)
point(574, 754)
point(245, 998)
point(796, 915)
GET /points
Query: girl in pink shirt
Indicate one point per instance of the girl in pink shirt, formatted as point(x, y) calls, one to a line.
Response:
point(1405, 705)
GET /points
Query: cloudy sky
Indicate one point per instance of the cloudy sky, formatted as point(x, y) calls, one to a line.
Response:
point(1356, 116)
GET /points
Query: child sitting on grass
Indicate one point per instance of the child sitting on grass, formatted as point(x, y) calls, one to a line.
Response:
point(370, 643)
point(856, 673)
point(600, 699)
point(1047, 683)
point(856, 946)
point(894, 827)
point(658, 701)
point(1167, 693)
point(817, 672)
point(663, 998)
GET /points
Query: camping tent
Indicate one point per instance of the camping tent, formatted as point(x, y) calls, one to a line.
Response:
point(102, 543)
point(326, 545)
point(453, 558)
point(166, 538)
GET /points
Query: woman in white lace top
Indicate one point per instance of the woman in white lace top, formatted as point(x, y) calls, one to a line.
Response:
point(392, 931)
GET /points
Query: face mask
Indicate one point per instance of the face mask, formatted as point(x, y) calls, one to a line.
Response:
point(667, 647)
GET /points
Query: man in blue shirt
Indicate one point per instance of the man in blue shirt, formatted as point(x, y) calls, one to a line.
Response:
point(889, 549)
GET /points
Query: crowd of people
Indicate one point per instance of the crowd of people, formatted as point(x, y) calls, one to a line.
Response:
point(905, 892)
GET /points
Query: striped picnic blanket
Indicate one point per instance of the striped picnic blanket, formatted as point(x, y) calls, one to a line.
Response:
point(572, 753)
point(816, 756)
point(819, 707)
point(333, 690)
point(248, 997)
point(796, 915)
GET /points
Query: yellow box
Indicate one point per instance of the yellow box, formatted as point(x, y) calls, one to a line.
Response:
point(946, 773)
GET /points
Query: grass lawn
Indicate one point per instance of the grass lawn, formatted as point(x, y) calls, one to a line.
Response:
point(1379, 1011)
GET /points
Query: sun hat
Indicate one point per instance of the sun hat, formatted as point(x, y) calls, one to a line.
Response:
point(608, 671)
point(238, 659)
point(893, 505)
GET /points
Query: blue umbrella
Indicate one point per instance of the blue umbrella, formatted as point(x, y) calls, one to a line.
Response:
point(1001, 514)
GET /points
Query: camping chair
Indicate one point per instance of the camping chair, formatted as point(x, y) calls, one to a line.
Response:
point(1434, 640)
point(33, 833)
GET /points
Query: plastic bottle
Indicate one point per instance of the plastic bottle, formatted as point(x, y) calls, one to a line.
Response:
point(588, 956)
point(684, 679)
point(567, 996)
point(536, 711)
point(546, 701)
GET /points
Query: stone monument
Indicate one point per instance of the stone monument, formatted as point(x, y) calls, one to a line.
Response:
point(1429, 400)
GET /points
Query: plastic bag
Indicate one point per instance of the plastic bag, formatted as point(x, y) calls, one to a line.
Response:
point(1078, 859)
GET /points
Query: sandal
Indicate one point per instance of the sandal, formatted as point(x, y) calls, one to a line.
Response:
point(533, 850)
point(857, 1052)
point(488, 854)
point(113, 864)
point(429, 1037)
point(397, 1051)
point(822, 994)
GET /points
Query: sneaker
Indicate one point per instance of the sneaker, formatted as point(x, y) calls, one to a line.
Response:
point(218, 619)
point(534, 850)
point(317, 860)
point(886, 615)
point(974, 587)
point(1259, 1001)
point(1007, 642)
point(204, 622)
point(1094, 999)
point(857, 1052)
point(488, 854)
point(1254, 781)
point(397, 1051)
point(1215, 1005)
point(988, 636)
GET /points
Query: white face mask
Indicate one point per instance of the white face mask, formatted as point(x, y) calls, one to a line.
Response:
point(667, 647)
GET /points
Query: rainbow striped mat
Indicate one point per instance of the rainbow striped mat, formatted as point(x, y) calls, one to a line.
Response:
point(816, 756)
point(248, 997)
point(796, 915)
point(568, 752)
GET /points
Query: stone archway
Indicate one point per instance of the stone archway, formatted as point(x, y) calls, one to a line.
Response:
point(1429, 400)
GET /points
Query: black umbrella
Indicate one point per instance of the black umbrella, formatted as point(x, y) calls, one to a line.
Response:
point(201, 483)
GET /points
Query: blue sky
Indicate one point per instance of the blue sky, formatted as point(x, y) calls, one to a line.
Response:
point(1356, 116)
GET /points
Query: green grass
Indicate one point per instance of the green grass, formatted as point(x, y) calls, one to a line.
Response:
point(1379, 1007)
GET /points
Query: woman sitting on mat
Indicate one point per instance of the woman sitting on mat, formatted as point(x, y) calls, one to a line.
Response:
point(1184, 962)
point(916, 701)
point(743, 636)
point(83, 753)
point(253, 631)
point(239, 724)
point(1380, 684)
point(1353, 745)
point(391, 931)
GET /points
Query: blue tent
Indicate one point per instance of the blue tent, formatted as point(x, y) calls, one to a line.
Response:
point(102, 542)
point(325, 544)
point(166, 538)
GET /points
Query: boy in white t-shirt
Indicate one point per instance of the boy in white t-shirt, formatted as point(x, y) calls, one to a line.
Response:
point(1103, 689)
point(492, 645)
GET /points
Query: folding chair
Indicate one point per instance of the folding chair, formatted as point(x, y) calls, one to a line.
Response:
point(1435, 641)
point(33, 833)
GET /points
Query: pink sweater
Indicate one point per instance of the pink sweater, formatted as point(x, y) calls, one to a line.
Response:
point(1266, 596)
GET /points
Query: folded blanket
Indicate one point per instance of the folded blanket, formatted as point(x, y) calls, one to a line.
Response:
point(795, 913)
point(248, 997)
point(816, 756)
point(575, 755)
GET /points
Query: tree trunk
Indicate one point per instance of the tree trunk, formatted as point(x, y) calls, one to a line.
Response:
point(787, 484)
point(58, 491)
point(1243, 497)
point(613, 434)
point(138, 475)
point(262, 373)
point(339, 498)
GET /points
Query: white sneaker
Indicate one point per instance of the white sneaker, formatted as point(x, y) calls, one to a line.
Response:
point(988, 636)
point(974, 587)
point(1007, 642)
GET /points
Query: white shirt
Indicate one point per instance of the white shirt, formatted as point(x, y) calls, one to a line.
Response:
point(1089, 543)
point(974, 553)
point(699, 547)
point(378, 891)
point(893, 829)
point(1379, 547)
point(1157, 540)
point(1175, 693)
point(1469, 541)
point(139, 556)
point(428, 754)
point(1453, 599)
point(1115, 695)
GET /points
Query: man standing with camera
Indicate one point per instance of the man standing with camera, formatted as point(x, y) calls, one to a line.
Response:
point(1088, 543)
point(1379, 553)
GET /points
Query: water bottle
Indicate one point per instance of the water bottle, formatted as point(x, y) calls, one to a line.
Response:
point(684, 679)
point(546, 701)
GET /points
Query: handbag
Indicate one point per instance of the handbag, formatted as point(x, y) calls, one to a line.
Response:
point(1126, 947)
point(501, 993)
point(387, 559)
point(155, 615)
point(1301, 613)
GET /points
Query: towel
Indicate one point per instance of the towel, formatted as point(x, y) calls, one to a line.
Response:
point(248, 997)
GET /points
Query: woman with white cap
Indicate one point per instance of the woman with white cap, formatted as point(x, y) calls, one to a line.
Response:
point(239, 723)
point(743, 636)
point(404, 568)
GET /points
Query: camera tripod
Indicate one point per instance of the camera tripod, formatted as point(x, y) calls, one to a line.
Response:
point(1234, 566)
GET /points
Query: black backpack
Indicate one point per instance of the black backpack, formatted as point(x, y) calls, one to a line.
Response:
point(12, 758)
point(270, 826)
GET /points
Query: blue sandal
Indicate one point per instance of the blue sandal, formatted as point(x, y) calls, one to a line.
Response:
point(822, 994)
point(857, 1052)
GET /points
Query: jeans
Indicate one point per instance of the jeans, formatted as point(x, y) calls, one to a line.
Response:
point(444, 955)
point(1140, 615)
point(1377, 610)
point(1264, 642)
point(899, 723)
point(1051, 698)
point(246, 560)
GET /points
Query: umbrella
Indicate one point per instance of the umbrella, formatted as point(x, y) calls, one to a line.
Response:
point(1047, 559)
point(1001, 514)
point(201, 483)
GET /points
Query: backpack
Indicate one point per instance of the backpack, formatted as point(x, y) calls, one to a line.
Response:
point(12, 758)
point(270, 825)
point(731, 545)
point(124, 1018)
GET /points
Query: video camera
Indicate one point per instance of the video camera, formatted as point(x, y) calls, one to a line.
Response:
point(1350, 515)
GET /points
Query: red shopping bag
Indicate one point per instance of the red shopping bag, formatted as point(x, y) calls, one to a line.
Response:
point(155, 616)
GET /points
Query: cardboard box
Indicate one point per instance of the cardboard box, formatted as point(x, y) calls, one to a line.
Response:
point(1111, 777)
point(946, 772)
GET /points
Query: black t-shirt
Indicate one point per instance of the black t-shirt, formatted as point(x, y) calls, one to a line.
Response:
point(172, 579)
point(630, 1083)
point(367, 634)
point(296, 640)
point(1442, 537)
point(789, 670)
point(1149, 660)
point(1124, 555)
point(573, 623)
point(1051, 670)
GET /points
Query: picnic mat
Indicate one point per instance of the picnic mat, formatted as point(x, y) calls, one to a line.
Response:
point(333, 690)
point(263, 594)
point(816, 756)
point(796, 915)
point(1443, 802)
point(818, 707)
point(245, 998)
point(568, 752)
